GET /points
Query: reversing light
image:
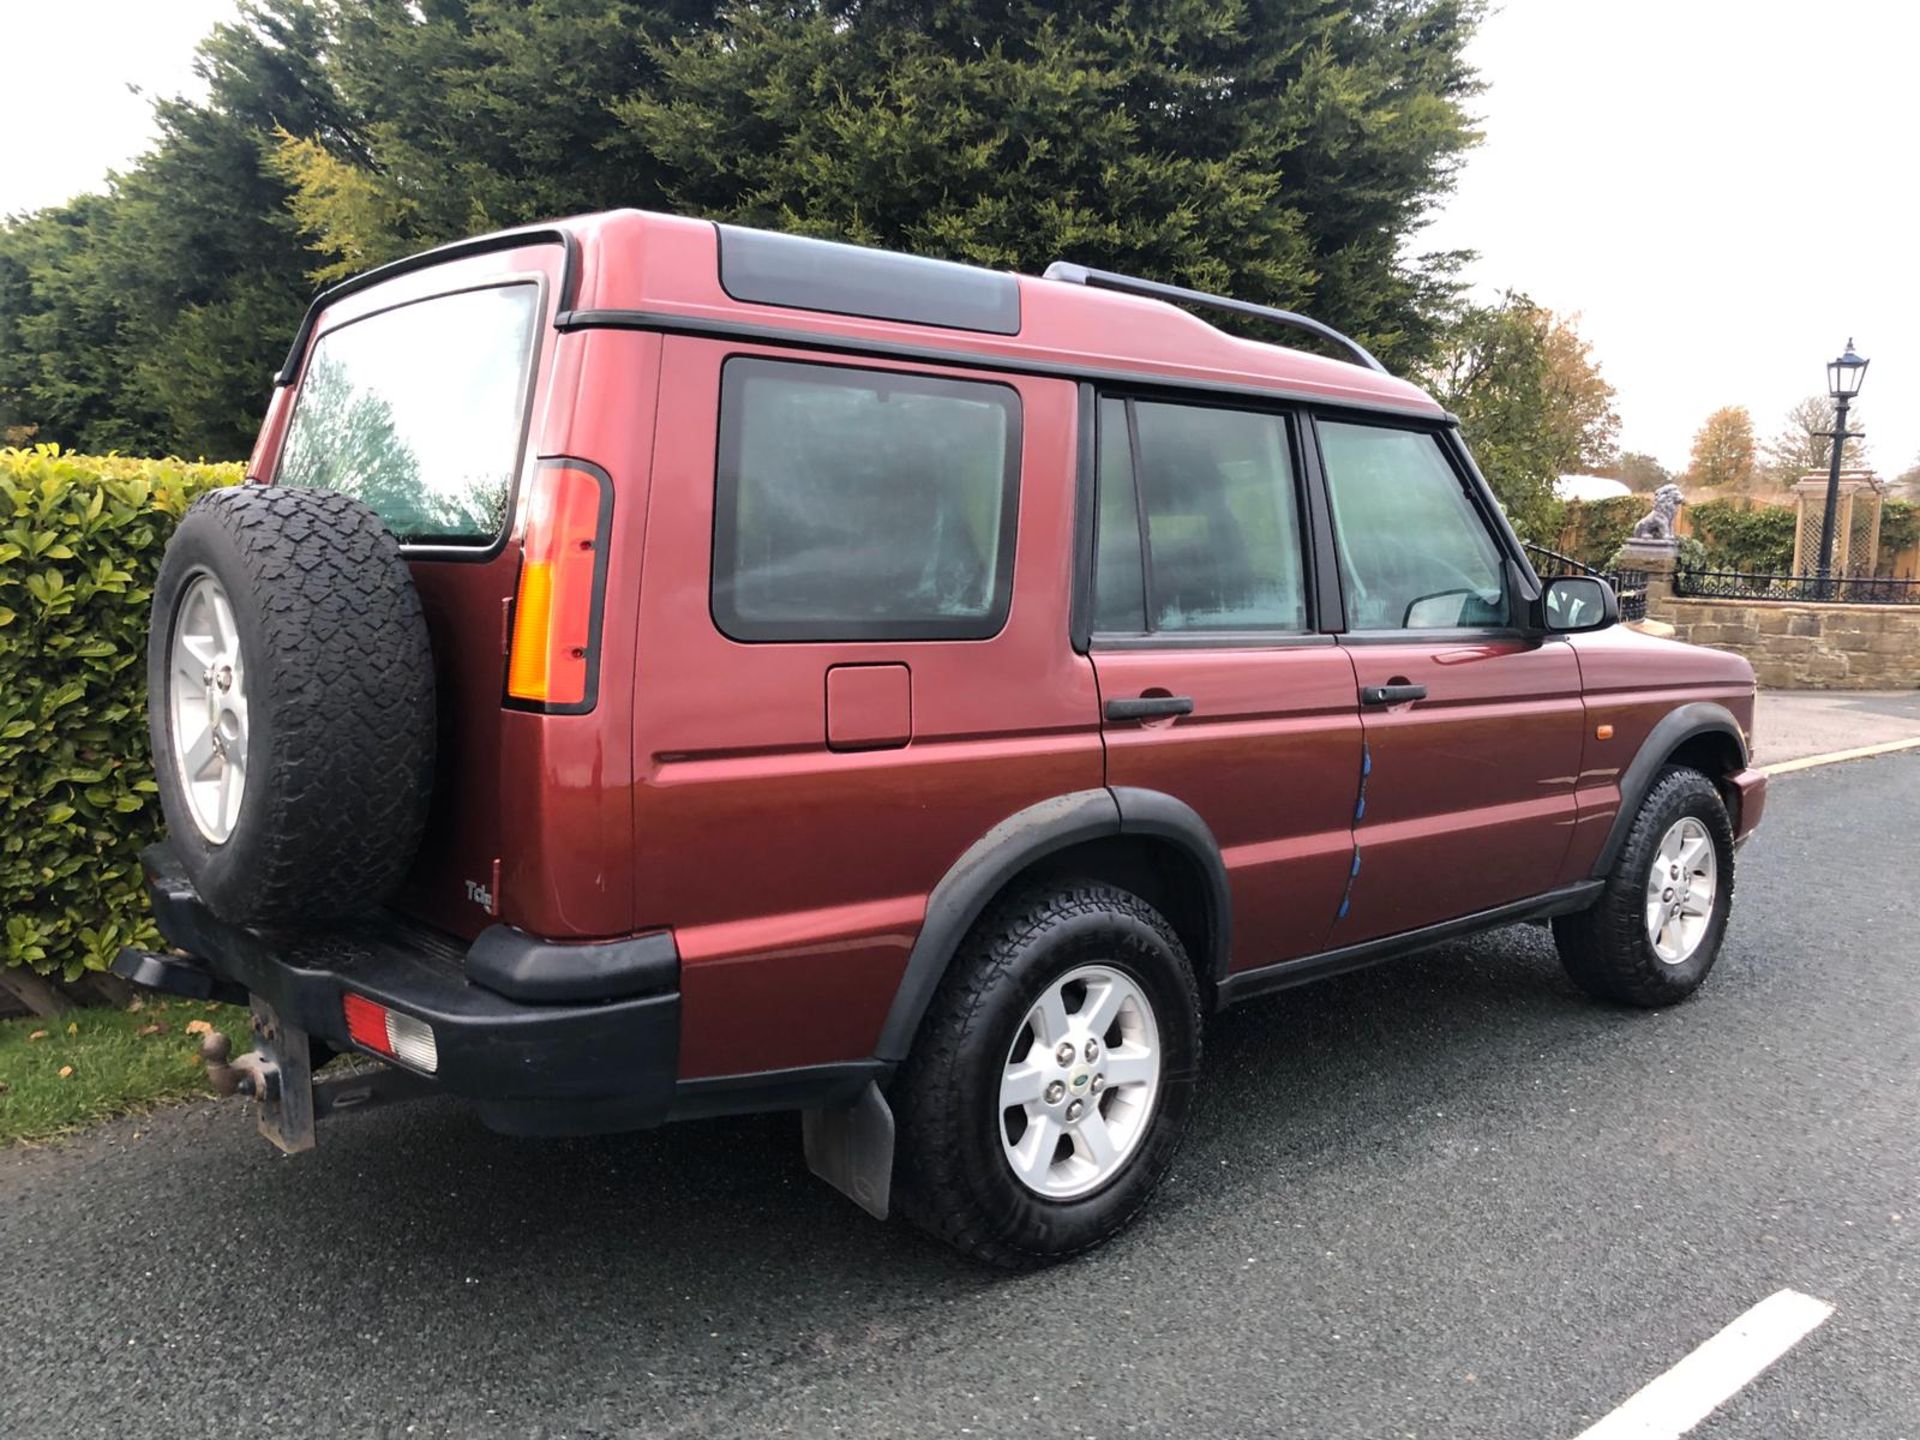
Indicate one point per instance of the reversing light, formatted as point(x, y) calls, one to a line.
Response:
point(390, 1033)
point(562, 552)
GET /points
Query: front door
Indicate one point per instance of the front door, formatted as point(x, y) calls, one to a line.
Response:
point(1472, 727)
point(1216, 683)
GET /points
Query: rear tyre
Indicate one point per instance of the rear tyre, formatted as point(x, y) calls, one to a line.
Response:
point(290, 708)
point(1051, 1081)
point(1655, 932)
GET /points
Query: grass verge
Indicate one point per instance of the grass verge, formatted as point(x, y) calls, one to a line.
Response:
point(90, 1065)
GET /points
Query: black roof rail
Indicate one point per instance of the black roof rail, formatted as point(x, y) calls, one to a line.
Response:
point(1156, 290)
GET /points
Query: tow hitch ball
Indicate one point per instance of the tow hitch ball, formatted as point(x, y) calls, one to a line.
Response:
point(277, 1075)
point(251, 1075)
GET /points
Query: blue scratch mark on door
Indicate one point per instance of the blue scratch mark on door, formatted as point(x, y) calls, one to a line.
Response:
point(1359, 811)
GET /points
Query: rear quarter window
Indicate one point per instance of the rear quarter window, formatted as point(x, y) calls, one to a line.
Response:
point(419, 411)
point(855, 504)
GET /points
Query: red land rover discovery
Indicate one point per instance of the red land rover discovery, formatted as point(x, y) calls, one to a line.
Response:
point(660, 669)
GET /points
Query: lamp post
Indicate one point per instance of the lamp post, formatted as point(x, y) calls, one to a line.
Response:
point(1843, 383)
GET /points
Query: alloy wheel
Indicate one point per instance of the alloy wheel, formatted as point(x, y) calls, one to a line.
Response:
point(1080, 1081)
point(207, 695)
point(1681, 884)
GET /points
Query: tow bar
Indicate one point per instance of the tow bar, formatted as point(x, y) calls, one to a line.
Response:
point(278, 1076)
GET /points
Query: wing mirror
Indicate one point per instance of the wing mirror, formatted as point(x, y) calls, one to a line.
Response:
point(1574, 604)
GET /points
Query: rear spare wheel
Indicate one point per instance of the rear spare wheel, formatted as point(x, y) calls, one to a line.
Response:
point(290, 704)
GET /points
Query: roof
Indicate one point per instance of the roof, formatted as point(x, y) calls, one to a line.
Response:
point(670, 266)
point(637, 269)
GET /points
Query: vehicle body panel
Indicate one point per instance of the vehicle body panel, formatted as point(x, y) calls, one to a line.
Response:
point(1470, 791)
point(1631, 681)
point(1270, 757)
point(790, 871)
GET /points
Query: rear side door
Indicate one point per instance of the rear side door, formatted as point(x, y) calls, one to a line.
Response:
point(1218, 685)
point(1473, 726)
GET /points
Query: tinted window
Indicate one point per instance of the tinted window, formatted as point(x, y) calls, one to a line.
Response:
point(418, 412)
point(1414, 552)
point(862, 504)
point(1222, 520)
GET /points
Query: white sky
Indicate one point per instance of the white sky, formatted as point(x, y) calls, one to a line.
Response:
point(1663, 167)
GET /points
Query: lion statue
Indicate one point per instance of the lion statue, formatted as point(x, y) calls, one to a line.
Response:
point(1657, 523)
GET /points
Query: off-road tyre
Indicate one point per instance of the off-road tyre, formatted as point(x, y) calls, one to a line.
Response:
point(952, 1177)
point(1607, 950)
point(340, 695)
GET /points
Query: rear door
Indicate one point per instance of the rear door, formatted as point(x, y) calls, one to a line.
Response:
point(1473, 727)
point(423, 396)
point(1218, 686)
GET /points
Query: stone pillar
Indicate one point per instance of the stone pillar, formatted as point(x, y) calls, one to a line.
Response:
point(1657, 558)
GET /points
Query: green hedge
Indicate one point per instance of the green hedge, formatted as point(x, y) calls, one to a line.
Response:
point(80, 542)
point(1741, 536)
point(1591, 531)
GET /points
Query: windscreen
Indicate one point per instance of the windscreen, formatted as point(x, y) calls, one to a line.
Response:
point(417, 412)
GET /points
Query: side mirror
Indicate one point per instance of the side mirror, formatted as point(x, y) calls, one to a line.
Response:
point(1573, 604)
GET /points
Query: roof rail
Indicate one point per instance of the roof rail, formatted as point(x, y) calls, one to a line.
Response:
point(1156, 290)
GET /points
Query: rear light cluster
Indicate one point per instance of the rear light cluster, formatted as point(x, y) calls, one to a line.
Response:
point(556, 613)
point(388, 1032)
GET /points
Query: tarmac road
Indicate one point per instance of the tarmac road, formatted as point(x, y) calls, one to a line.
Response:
point(1444, 1198)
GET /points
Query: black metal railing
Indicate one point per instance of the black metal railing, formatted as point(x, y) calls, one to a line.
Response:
point(1629, 585)
point(1836, 590)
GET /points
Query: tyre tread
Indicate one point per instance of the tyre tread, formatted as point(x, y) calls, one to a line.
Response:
point(346, 685)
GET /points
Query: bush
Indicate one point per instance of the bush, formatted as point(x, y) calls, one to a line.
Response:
point(1740, 536)
point(1899, 533)
point(1591, 531)
point(80, 543)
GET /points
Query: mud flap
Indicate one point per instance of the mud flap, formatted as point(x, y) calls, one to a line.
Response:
point(852, 1149)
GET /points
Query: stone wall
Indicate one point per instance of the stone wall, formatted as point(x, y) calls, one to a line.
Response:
point(1798, 646)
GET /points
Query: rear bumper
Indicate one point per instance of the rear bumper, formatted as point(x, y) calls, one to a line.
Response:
point(577, 1066)
point(1750, 792)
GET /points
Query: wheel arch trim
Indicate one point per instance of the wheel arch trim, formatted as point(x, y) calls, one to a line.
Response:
point(1684, 723)
point(1018, 842)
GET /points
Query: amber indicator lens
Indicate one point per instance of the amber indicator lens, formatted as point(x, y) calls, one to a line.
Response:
point(553, 611)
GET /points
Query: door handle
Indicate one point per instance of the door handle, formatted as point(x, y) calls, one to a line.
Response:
point(1150, 707)
point(1391, 694)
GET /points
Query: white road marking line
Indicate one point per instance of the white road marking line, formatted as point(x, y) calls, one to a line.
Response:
point(1833, 757)
point(1677, 1401)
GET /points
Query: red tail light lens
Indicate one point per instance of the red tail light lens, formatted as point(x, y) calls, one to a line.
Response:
point(390, 1033)
point(556, 612)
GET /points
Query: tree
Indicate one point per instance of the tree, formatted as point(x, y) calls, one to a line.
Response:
point(1284, 150)
point(1723, 450)
point(1532, 404)
point(149, 318)
point(1639, 472)
point(1805, 443)
point(1908, 481)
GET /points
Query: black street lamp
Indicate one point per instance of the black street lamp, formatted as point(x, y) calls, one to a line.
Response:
point(1843, 383)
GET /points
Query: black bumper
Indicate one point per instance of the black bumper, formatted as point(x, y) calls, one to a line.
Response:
point(575, 1067)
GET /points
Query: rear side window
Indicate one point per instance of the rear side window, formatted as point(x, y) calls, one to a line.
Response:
point(1221, 512)
point(863, 504)
point(418, 412)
